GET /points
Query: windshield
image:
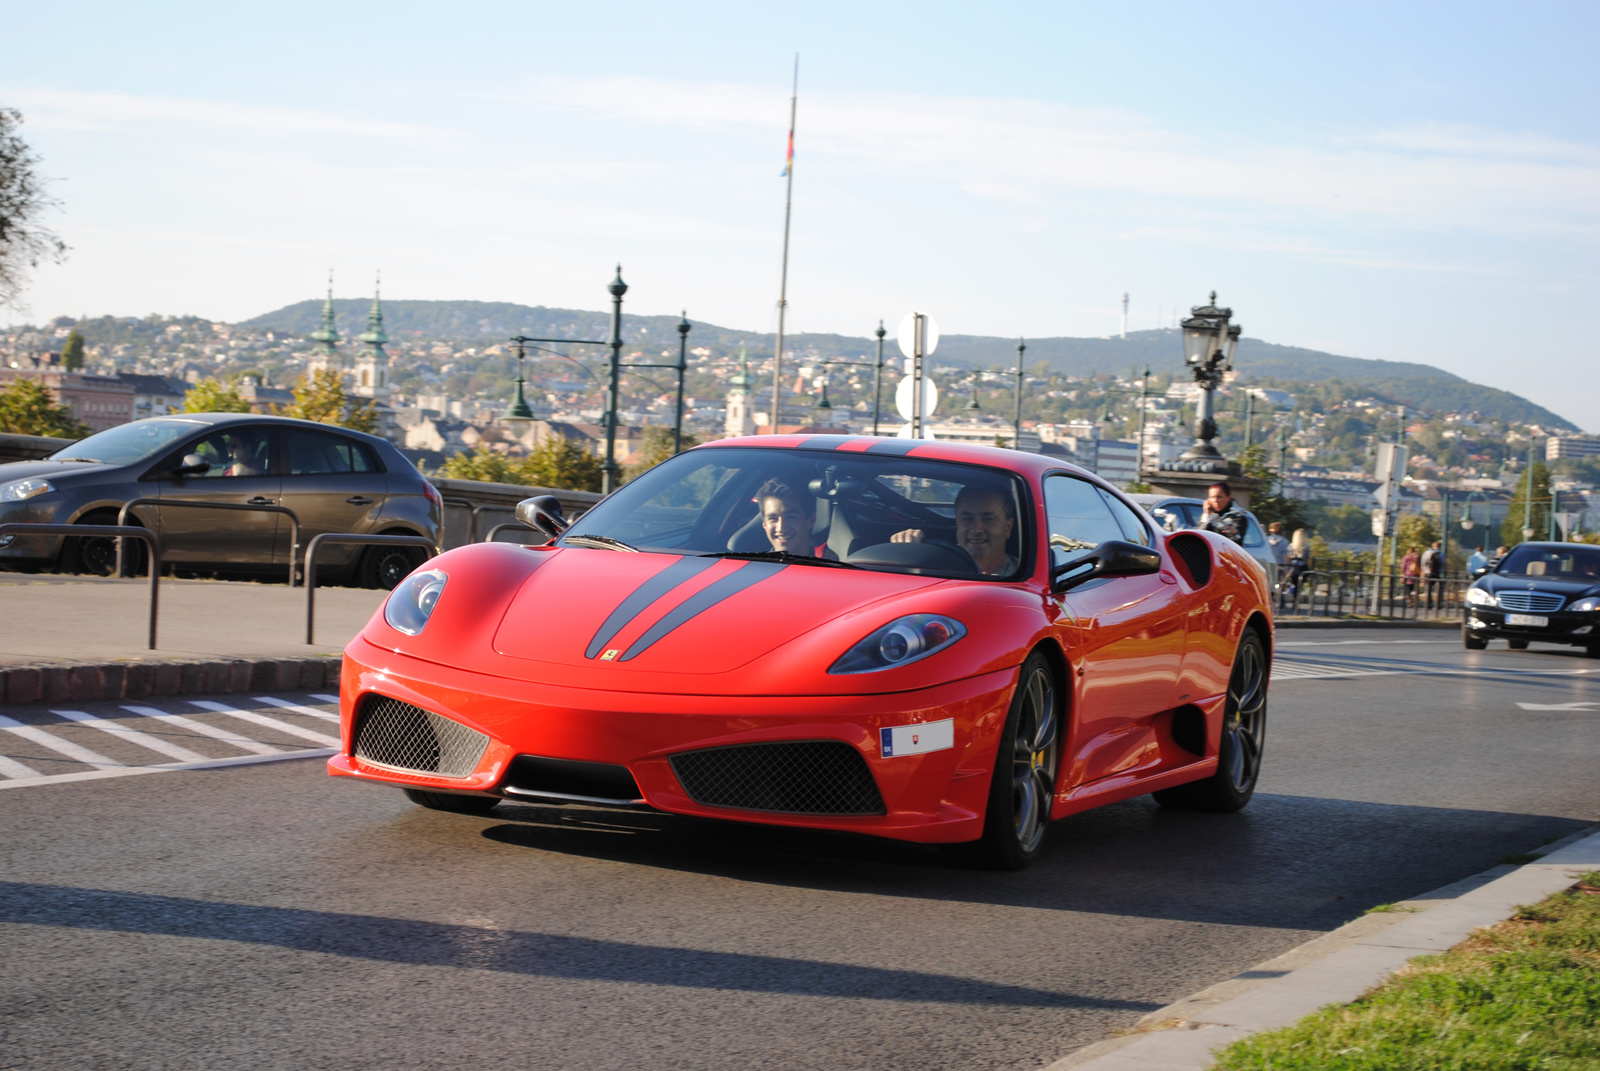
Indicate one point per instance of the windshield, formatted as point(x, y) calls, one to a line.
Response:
point(127, 443)
point(1564, 563)
point(871, 511)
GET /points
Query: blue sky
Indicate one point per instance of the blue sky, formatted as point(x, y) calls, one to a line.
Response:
point(1414, 184)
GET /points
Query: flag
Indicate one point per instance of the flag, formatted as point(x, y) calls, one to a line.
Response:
point(788, 163)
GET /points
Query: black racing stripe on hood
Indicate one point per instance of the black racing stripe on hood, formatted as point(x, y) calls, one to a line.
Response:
point(677, 573)
point(825, 442)
point(753, 573)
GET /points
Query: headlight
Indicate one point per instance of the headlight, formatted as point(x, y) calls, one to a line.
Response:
point(1586, 606)
point(900, 642)
point(21, 490)
point(412, 601)
point(1479, 597)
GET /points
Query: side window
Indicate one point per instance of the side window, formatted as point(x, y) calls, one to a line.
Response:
point(1078, 517)
point(235, 452)
point(1134, 530)
point(317, 453)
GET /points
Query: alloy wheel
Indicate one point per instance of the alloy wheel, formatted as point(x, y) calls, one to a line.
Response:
point(1034, 758)
point(1244, 717)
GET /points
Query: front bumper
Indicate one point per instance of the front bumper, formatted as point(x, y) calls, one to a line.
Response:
point(1489, 622)
point(934, 797)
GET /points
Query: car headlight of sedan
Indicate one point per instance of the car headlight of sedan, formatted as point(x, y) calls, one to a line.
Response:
point(412, 601)
point(1586, 606)
point(22, 490)
point(901, 642)
point(1479, 597)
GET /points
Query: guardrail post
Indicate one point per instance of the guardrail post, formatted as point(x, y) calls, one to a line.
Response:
point(119, 532)
point(249, 507)
point(348, 537)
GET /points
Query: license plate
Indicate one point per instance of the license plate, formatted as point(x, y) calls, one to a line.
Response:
point(1531, 620)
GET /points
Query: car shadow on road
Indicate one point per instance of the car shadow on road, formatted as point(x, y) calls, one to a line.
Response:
point(419, 942)
point(1293, 862)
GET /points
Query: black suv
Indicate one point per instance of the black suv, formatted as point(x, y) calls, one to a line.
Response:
point(334, 479)
point(1548, 592)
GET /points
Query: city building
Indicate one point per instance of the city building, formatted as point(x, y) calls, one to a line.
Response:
point(100, 402)
point(155, 395)
point(1560, 446)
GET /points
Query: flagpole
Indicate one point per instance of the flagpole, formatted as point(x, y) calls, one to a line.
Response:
point(783, 282)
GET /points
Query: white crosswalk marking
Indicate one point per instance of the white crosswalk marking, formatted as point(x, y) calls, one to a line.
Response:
point(1283, 669)
point(284, 704)
point(319, 697)
point(200, 728)
point(56, 744)
point(267, 723)
point(13, 768)
point(134, 736)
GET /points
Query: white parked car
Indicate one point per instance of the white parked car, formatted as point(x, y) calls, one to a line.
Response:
point(1172, 513)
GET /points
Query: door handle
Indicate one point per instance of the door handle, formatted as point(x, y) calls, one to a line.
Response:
point(358, 500)
point(260, 500)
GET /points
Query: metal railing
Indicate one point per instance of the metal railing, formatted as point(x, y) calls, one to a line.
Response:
point(317, 542)
point(1341, 593)
point(120, 532)
point(256, 507)
point(497, 529)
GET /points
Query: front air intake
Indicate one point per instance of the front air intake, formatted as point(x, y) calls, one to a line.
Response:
point(399, 736)
point(1195, 554)
point(798, 777)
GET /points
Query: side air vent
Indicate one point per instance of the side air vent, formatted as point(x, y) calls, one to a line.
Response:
point(799, 777)
point(1195, 555)
point(399, 736)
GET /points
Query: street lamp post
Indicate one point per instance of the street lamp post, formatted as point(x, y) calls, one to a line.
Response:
point(1467, 522)
point(608, 479)
point(1144, 395)
point(1016, 438)
point(519, 412)
point(877, 381)
point(1209, 342)
point(683, 366)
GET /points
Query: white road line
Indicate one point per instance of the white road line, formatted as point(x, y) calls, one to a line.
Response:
point(284, 704)
point(269, 723)
point(200, 728)
point(1282, 670)
point(55, 743)
point(171, 767)
point(1451, 642)
point(133, 736)
point(13, 768)
point(321, 698)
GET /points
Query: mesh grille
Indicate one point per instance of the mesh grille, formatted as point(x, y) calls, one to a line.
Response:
point(1196, 557)
point(1541, 601)
point(802, 777)
point(403, 737)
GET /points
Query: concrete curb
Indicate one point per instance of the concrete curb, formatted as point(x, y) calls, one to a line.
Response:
point(1335, 968)
point(58, 682)
point(1360, 622)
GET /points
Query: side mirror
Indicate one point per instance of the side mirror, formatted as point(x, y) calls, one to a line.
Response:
point(192, 465)
point(1480, 572)
point(1114, 557)
point(542, 513)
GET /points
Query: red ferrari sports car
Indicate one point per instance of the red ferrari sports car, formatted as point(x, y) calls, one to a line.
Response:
point(934, 642)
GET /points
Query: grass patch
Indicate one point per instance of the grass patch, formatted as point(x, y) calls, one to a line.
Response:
point(1385, 909)
point(1523, 994)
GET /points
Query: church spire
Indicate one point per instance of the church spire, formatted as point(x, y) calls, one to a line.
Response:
point(327, 336)
point(374, 336)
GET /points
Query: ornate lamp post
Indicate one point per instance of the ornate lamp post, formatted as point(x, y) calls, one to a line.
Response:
point(683, 366)
point(877, 381)
point(519, 413)
point(1209, 342)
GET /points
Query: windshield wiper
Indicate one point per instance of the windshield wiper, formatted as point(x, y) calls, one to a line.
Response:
point(600, 542)
point(90, 460)
point(780, 556)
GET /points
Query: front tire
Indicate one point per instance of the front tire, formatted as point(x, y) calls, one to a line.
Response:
point(97, 555)
point(446, 801)
point(1022, 787)
point(1244, 729)
point(1473, 643)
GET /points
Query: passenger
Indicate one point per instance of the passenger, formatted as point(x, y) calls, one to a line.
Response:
point(985, 519)
point(787, 517)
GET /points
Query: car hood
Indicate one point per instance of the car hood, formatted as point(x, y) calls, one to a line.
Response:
point(1572, 589)
point(50, 470)
point(664, 623)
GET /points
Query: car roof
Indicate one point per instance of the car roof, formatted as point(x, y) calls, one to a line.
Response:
point(224, 419)
point(1020, 461)
point(1145, 498)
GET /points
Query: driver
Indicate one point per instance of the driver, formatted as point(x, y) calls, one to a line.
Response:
point(787, 517)
point(985, 518)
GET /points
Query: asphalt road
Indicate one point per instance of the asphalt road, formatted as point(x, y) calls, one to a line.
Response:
point(266, 916)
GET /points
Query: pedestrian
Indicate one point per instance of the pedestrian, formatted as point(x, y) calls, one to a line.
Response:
point(1410, 572)
point(1299, 558)
point(1499, 552)
point(1433, 575)
point(1222, 514)
point(1477, 563)
point(1279, 546)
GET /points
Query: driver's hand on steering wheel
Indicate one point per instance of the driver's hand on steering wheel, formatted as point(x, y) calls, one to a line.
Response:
point(909, 535)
